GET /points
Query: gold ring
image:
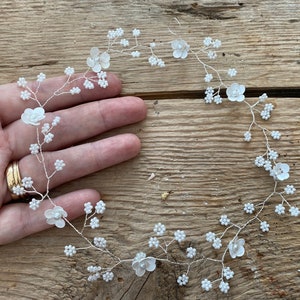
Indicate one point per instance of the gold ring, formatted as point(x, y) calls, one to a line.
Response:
point(14, 181)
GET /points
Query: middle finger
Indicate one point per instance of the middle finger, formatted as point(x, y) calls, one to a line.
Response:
point(78, 123)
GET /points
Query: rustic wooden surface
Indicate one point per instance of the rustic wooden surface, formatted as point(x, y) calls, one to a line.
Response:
point(195, 150)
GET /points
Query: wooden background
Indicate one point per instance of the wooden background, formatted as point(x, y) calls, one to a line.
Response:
point(195, 150)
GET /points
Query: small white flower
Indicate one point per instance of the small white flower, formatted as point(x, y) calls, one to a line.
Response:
point(108, 276)
point(232, 72)
point(34, 204)
point(124, 42)
point(153, 242)
point(93, 269)
point(41, 77)
point(159, 229)
point(206, 284)
point(228, 273)
point(100, 242)
point(103, 83)
point(207, 41)
point(94, 223)
point(182, 280)
point(210, 236)
point(70, 250)
point(294, 211)
point(69, 71)
point(141, 264)
point(152, 45)
point(22, 82)
point(34, 148)
point(119, 32)
point(275, 135)
point(18, 190)
point(273, 154)
point(135, 54)
point(93, 277)
point(236, 247)
point(211, 54)
point(56, 121)
point(75, 90)
point(179, 236)
point(208, 77)
point(279, 209)
point(224, 287)
point(136, 32)
point(97, 61)
point(100, 207)
point(218, 99)
point(216, 44)
point(88, 84)
point(180, 48)
point(48, 138)
point(249, 208)
point(267, 165)
point(264, 226)
point(280, 171)
point(152, 60)
point(27, 182)
point(259, 161)
point(45, 128)
point(33, 116)
point(265, 114)
point(55, 216)
point(263, 97)
point(25, 95)
point(59, 164)
point(247, 136)
point(290, 189)
point(224, 220)
point(269, 107)
point(88, 207)
point(191, 252)
point(217, 243)
point(235, 92)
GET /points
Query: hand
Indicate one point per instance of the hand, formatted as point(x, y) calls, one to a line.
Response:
point(88, 114)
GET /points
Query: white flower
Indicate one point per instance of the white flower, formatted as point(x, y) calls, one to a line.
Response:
point(18, 190)
point(152, 60)
point(25, 95)
point(216, 43)
point(69, 71)
point(217, 243)
point(59, 164)
point(182, 279)
point(124, 42)
point(224, 220)
point(100, 242)
point(34, 204)
point(159, 229)
point(228, 273)
point(275, 135)
point(136, 32)
point(48, 138)
point(22, 82)
point(208, 77)
point(179, 235)
point(273, 154)
point(279, 209)
point(135, 54)
point(34, 148)
point(263, 97)
point(236, 247)
point(93, 269)
point(45, 128)
point(75, 90)
point(41, 77)
point(269, 107)
point(94, 277)
point(268, 165)
point(280, 171)
point(94, 223)
point(207, 41)
point(108, 276)
point(55, 121)
point(259, 161)
point(206, 284)
point(211, 54)
point(294, 211)
point(289, 189)
point(224, 287)
point(88, 84)
point(88, 207)
point(27, 182)
point(55, 216)
point(191, 252)
point(218, 99)
point(152, 45)
point(249, 208)
point(100, 207)
point(210, 236)
point(247, 136)
point(103, 83)
point(232, 72)
point(265, 114)
point(153, 242)
point(141, 264)
point(33, 116)
point(70, 250)
point(235, 92)
point(180, 48)
point(97, 61)
point(264, 226)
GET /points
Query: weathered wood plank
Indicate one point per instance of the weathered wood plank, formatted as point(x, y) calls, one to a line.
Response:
point(197, 152)
point(261, 44)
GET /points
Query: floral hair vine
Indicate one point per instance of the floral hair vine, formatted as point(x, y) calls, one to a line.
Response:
point(260, 111)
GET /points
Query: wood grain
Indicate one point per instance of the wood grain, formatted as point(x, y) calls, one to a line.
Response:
point(196, 151)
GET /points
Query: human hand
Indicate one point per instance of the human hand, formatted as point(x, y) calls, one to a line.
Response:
point(83, 116)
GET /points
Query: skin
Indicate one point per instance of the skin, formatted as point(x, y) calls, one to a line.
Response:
point(88, 114)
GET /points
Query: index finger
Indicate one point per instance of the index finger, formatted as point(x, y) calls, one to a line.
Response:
point(12, 106)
